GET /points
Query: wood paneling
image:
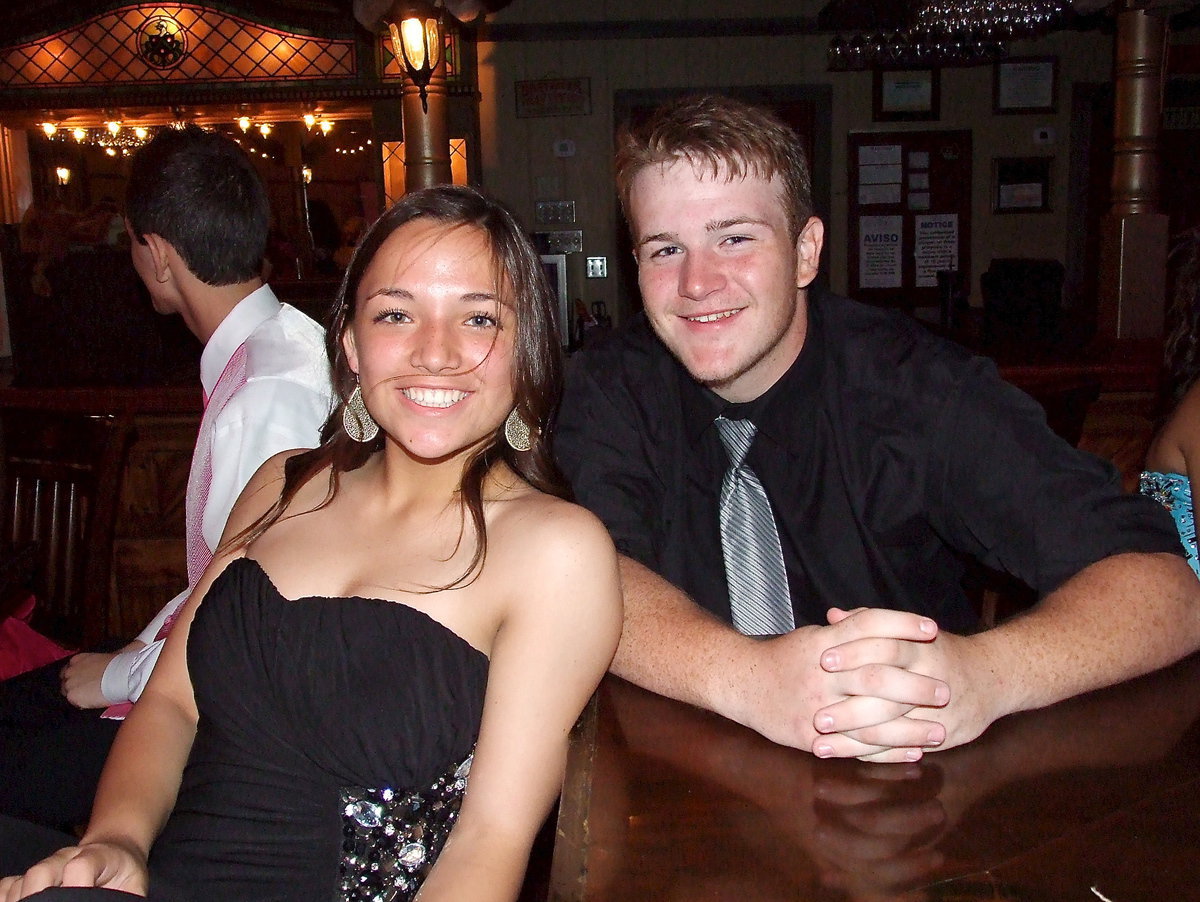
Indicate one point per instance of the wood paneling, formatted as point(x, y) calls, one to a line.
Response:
point(149, 560)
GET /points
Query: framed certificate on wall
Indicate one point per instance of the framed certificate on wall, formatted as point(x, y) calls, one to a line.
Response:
point(1025, 85)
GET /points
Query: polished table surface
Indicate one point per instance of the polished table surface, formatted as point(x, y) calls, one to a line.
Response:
point(1094, 799)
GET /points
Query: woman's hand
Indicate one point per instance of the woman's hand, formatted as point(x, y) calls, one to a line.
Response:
point(107, 864)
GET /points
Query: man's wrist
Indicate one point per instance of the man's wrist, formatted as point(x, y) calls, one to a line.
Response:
point(987, 679)
point(734, 690)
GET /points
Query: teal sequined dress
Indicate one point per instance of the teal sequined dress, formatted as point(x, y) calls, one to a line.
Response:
point(1174, 492)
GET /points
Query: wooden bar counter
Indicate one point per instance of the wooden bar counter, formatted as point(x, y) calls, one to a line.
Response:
point(1094, 799)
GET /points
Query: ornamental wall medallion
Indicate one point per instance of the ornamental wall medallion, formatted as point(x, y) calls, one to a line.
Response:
point(162, 42)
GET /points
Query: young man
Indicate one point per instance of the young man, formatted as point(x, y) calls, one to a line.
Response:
point(197, 216)
point(883, 453)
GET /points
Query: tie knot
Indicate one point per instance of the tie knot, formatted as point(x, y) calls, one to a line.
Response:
point(736, 436)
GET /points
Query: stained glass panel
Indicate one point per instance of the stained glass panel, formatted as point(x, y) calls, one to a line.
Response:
point(219, 47)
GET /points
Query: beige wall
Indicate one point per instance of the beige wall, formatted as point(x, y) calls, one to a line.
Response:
point(518, 158)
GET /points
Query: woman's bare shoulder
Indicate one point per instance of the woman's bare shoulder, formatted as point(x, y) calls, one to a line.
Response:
point(561, 561)
point(1176, 448)
point(543, 516)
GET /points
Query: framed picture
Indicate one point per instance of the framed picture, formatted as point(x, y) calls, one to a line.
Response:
point(911, 95)
point(1021, 184)
point(555, 267)
point(1025, 84)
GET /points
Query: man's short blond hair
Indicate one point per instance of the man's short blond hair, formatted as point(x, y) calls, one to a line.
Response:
point(716, 134)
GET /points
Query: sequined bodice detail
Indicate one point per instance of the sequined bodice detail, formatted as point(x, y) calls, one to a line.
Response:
point(391, 839)
point(306, 706)
point(1174, 492)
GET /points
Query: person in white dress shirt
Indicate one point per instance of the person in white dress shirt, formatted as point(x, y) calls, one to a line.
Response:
point(197, 217)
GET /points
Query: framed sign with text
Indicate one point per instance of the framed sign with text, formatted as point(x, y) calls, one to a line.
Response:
point(1025, 85)
point(912, 95)
point(554, 97)
point(1021, 184)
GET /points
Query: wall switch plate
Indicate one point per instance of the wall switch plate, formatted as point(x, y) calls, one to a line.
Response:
point(554, 212)
point(564, 147)
point(597, 267)
point(567, 241)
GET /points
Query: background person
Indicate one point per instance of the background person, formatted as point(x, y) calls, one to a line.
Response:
point(1174, 453)
point(197, 221)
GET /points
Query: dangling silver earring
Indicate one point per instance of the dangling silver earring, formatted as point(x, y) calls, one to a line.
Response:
point(516, 431)
point(356, 419)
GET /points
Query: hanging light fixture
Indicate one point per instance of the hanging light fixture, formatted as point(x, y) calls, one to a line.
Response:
point(307, 174)
point(987, 19)
point(63, 174)
point(326, 126)
point(244, 123)
point(49, 128)
point(416, 28)
point(309, 120)
point(949, 33)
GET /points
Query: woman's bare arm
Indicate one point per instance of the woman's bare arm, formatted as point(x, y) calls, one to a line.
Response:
point(554, 643)
point(141, 777)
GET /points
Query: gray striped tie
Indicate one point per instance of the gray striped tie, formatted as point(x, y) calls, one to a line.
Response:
point(758, 590)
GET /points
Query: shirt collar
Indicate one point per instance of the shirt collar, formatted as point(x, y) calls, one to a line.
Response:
point(250, 313)
point(774, 409)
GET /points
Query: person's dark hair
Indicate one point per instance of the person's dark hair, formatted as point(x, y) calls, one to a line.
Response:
point(714, 132)
point(537, 360)
point(199, 191)
point(1182, 346)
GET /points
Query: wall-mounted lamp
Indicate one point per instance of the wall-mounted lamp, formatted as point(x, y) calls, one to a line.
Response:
point(49, 128)
point(63, 174)
point(309, 120)
point(264, 129)
point(306, 172)
point(244, 123)
point(416, 30)
point(326, 126)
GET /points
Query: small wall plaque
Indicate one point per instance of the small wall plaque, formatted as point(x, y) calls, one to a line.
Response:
point(554, 97)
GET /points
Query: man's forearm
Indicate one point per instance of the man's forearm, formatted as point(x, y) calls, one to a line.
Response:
point(672, 646)
point(1117, 619)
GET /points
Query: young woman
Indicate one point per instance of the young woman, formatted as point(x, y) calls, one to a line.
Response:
point(405, 612)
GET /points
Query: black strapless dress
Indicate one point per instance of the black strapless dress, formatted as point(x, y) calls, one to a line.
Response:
point(301, 701)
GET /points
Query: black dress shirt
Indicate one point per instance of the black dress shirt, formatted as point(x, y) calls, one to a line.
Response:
point(887, 455)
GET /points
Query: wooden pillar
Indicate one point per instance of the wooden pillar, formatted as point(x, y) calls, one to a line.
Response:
point(426, 132)
point(1132, 294)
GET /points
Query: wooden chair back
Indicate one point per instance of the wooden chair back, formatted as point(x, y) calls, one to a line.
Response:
point(61, 477)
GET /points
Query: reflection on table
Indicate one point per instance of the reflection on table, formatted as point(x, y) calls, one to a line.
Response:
point(1094, 799)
